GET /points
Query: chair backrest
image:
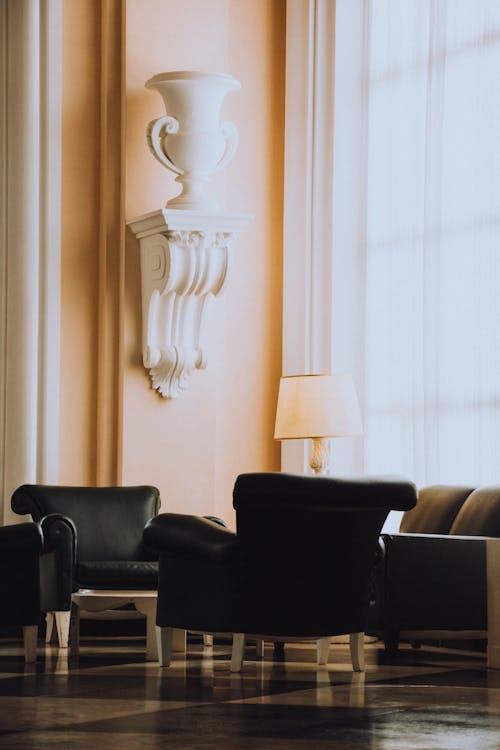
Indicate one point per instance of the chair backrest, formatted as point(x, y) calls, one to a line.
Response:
point(109, 520)
point(436, 509)
point(480, 514)
point(308, 544)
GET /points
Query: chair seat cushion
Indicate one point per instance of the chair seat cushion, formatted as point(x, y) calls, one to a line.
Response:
point(121, 574)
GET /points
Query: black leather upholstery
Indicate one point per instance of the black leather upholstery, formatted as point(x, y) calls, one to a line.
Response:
point(20, 540)
point(109, 520)
point(280, 491)
point(57, 565)
point(298, 565)
point(179, 535)
point(117, 574)
point(21, 546)
point(95, 535)
point(436, 580)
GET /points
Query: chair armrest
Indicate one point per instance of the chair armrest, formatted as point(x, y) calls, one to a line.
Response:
point(216, 519)
point(179, 535)
point(21, 540)
point(24, 504)
point(425, 558)
point(60, 536)
point(58, 562)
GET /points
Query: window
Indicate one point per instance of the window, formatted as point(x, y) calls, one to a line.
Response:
point(432, 322)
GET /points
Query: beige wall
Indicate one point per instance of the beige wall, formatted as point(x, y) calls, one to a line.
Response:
point(79, 258)
point(193, 447)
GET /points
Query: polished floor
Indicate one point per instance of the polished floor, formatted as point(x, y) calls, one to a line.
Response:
point(426, 699)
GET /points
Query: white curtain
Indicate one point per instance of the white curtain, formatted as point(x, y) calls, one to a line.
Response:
point(432, 328)
point(30, 237)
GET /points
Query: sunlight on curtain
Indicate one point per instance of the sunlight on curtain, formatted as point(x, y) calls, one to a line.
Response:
point(433, 240)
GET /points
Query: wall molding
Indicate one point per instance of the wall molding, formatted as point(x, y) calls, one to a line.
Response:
point(111, 245)
point(308, 203)
point(30, 199)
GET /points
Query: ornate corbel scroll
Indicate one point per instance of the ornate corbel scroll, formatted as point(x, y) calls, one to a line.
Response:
point(185, 261)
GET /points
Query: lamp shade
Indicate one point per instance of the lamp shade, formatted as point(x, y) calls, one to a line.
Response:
point(314, 406)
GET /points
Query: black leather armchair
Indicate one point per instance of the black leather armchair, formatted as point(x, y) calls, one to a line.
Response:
point(298, 566)
point(21, 547)
point(99, 543)
point(430, 579)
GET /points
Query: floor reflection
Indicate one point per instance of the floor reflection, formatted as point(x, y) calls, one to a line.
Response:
point(110, 696)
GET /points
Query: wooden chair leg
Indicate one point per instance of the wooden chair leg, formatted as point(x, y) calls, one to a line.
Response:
point(164, 638)
point(49, 627)
point(208, 639)
point(74, 630)
point(259, 648)
point(322, 649)
point(147, 607)
point(62, 625)
point(357, 646)
point(237, 652)
point(391, 641)
point(30, 637)
point(279, 650)
point(179, 638)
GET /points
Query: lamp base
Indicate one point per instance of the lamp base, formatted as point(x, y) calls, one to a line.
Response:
point(320, 456)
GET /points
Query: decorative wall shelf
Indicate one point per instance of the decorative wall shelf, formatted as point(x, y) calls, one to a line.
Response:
point(185, 247)
point(185, 262)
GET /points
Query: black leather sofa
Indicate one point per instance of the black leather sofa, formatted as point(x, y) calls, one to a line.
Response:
point(430, 579)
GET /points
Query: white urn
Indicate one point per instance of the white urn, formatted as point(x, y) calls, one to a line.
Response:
point(190, 140)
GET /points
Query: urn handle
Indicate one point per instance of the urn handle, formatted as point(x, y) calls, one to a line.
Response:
point(156, 130)
point(230, 133)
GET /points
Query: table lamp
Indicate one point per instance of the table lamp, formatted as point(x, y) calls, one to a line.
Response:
point(317, 407)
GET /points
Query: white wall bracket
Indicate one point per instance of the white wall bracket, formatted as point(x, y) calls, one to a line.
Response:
point(185, 261)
